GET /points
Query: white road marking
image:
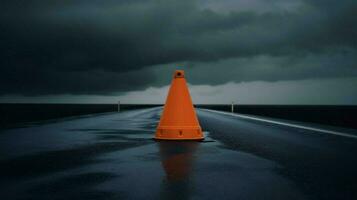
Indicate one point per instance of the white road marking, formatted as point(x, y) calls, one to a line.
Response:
point(285, 124)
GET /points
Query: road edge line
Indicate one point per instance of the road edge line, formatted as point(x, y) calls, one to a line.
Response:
point(284, 124)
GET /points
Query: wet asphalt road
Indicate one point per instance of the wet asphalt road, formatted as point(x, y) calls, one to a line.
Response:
point(113, 156)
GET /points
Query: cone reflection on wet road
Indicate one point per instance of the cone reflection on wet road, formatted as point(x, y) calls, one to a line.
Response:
point(177, 159)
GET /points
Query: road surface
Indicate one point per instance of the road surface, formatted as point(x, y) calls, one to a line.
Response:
point(113, 156)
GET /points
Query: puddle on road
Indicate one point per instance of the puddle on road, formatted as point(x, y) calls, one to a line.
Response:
point(189, 169)
point(131, 165)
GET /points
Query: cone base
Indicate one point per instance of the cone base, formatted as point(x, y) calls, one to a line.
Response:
point(179, 133)
point(170, 139)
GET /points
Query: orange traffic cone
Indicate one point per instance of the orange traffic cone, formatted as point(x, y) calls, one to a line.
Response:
point(179, 120)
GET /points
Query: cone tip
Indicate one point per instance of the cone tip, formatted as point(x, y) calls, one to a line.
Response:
point(179, 74)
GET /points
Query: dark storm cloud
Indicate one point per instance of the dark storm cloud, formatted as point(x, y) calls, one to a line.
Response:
point(336, 63)
point(95, 46)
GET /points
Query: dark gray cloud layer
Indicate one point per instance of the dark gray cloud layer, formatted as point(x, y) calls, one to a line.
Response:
point(99, 47)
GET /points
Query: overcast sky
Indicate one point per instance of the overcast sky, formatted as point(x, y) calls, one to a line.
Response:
point(247, 51)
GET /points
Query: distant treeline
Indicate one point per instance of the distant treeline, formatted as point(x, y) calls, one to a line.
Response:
point(15, 114)
point(343, 116)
